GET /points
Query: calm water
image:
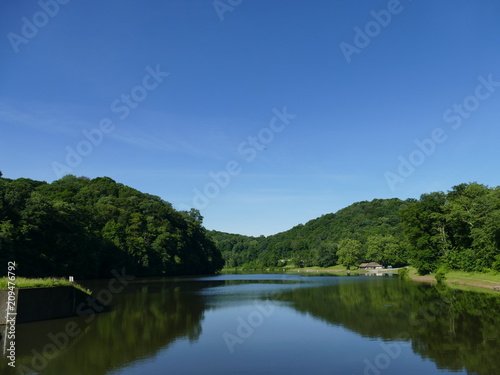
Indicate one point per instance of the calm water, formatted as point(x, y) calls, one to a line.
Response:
point(272, 324)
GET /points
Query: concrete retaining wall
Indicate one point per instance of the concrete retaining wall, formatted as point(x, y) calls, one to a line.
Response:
point(43, 303)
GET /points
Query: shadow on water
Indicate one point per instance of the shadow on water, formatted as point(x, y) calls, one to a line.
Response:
point(454, 329)
point(145, 318)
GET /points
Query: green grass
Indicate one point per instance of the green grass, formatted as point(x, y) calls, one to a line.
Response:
point(412, 271)
point(492, 276)
point(462, 275)
point(455, 278)
point(485, 277)
point(293, 268)
point(471, 288)
point(22, 282)
point(330, 270)
point(338, 269)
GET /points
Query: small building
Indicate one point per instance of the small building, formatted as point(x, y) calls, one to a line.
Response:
point(371, 266)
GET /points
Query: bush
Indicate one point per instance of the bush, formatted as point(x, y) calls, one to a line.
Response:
point(440, 275)
point(404, 274)
point(496, 264)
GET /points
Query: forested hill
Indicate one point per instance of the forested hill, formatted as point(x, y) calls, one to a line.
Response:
point(373, 228)
point(457, 230)
point(86, 228)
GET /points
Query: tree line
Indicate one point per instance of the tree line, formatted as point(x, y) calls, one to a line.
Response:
point(85, 228)
point(457, 230)
point(362, 231)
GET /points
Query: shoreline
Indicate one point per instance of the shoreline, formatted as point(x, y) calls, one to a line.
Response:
point(472, 281)
point(475, 283)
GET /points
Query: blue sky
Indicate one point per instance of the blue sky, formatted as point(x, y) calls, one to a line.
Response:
point(254, 105)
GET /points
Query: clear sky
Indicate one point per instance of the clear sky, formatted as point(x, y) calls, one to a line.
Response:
point(262, 114)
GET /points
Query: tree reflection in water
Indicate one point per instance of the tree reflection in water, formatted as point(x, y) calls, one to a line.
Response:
point(454, 329)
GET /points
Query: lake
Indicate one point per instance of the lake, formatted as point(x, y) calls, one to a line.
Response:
point(269, 324)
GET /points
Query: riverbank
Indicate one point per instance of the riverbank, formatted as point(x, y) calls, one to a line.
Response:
point(456, 279)
point(463, 280)
point(48, 282)
point(25, 300)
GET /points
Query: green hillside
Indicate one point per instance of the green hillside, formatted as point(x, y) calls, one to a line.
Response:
point(375, 226)
point(86, 228)
point(457, 230)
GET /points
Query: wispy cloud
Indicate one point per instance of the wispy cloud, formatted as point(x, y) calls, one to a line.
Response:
point(143, 140)
point(41, 116)
point(288, 176)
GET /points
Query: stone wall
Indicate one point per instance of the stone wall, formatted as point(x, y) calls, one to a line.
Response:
point(43, 303)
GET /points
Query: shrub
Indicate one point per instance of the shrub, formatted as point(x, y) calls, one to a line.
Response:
point(403, 273)
point(440, 275)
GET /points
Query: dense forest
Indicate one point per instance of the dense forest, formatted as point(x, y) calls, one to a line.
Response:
point(86, 228)
point(362, 231)
point(457, 230)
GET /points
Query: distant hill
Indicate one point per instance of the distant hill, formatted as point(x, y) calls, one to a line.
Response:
point(376, 225)
point(456, 230)
point(86, 228)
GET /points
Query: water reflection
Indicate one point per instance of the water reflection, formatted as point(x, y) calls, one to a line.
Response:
point(454, 329)
point(144, 319)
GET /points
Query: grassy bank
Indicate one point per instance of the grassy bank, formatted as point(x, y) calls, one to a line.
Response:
point(22, 282)
point(337, 270)
point(457, 279)
point(463, 280)
point(288, 268)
